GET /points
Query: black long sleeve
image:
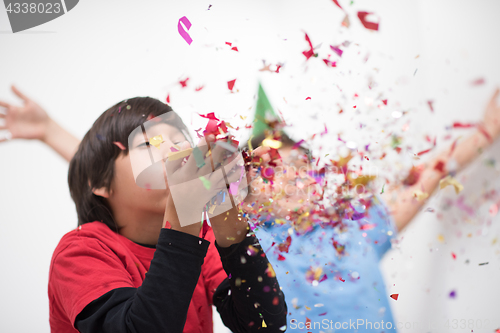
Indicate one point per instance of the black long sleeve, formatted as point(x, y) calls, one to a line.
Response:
point(250, 299)
point(161, 303)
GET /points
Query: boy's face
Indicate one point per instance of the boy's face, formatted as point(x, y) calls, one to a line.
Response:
point(124, 189)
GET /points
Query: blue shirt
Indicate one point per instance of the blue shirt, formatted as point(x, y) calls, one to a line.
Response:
point(311, 273)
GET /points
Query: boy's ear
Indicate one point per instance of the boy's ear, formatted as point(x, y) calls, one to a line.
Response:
point(102, 192)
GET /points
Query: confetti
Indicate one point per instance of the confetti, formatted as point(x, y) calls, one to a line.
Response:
point(275, 144)
point(205, 182)
point(184, 83)
point(337, 3)
point(420, 195)
point(367, 24)
point(478, 82)
point(449, 180)
point(345, 22)
point(230, 84)
point(309, 53)
point(394, 296)
point(183, 32)
point(156, 141)
point(263, 324)
point(198, 157)
point(120, 145)
point(168, 98)
point(483, 263)
point(337, 50)
point(453, 294)
point(454, 256)
point(172, 156)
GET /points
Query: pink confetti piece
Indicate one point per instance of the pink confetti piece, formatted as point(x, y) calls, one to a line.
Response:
point(478, 82)
point(330, 63)
point(454, 256)
point(199, 88)
point(183, 32)
point(120, 145)
point(168, 98)
point(430, 105)
point(367, 24)
point(463, 125)
point(307, 98)
point(233, 188)
point(337, 50)
point(230, 84)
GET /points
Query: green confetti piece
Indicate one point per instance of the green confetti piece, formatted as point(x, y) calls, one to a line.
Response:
point(205, 182)
point(198, 157)
point(382, 189)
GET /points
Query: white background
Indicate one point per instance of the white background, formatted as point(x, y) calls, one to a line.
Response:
point(104, 51)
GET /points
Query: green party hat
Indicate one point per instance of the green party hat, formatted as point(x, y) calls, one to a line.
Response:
point(264, 113)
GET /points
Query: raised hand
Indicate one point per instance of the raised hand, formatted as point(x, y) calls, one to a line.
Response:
point(492, 116)
point(28, 121)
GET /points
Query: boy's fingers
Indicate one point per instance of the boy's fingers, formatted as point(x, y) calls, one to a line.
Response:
point(173, 165)
point(5, 105)
point(198, 155)
point(19, 94)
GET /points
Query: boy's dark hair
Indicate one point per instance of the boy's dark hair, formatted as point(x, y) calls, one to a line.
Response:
point(94, 162)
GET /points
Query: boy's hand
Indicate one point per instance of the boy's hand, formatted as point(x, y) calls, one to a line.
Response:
point(492, 116)
point(29, 121)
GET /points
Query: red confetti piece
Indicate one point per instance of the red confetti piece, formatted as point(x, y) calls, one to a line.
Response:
point(424, 152)
point(368, 226)
point(330, 63)
point(234, 49)
point(184, 83)
point(384, 101)
point(454, 255)
point(337, 3)
point(210, 115)
point(199, 88)
point(395, 296)
point(462, 125)
point(439, 166)
point(367, 24)
point(308, 98)
point(168, 98)
point(341, 279)
point(278, 68)
point(120, 145)
point(281, 258)
point(283, 247)
point(309, 53)
point(230, 84)
point(276, 300)
point(483, 131)
point(230, 44)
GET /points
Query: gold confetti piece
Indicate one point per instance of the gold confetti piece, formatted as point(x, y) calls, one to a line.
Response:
point(250, 143)
point(441, 238)
point(243, 117)
point(271, 143)
point(156, 141)
point(175, 155)
point(308, 308)
point(420, 195)
point(449, 180)
point(263, 323)
point(270, 270)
